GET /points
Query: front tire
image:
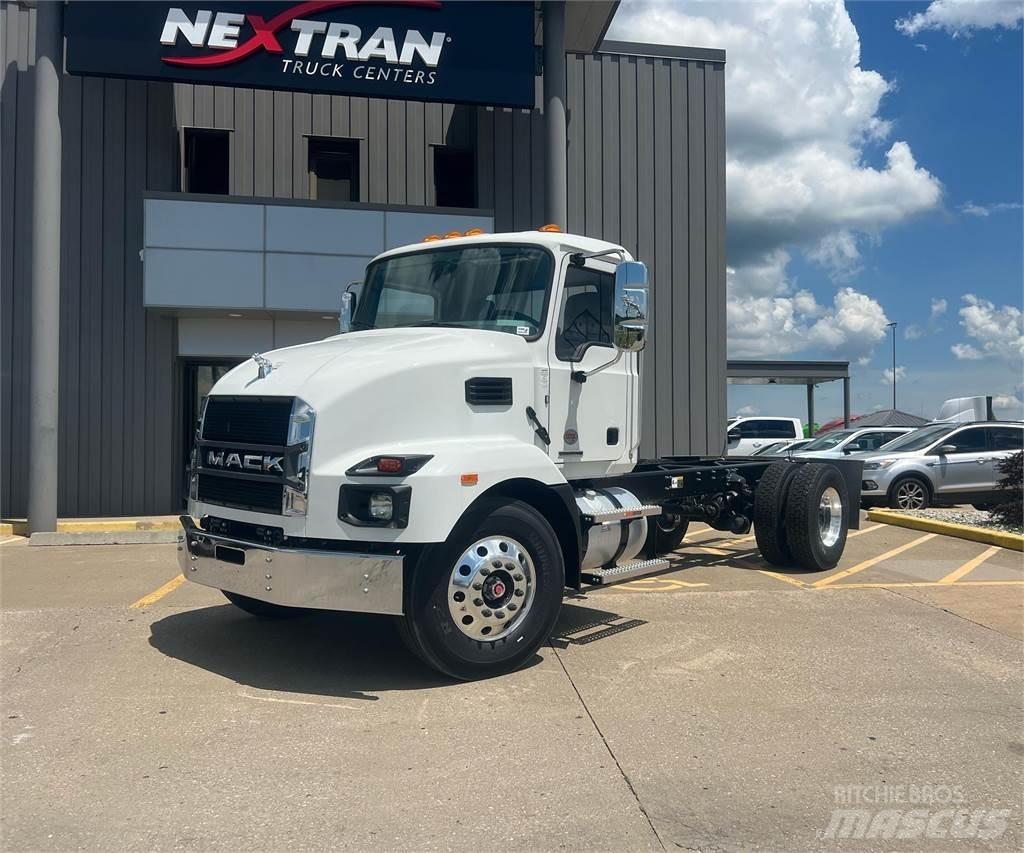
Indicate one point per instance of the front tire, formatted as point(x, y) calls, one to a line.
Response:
point(909, 493)
point(816, 520)
point(262, 609)
point(482, 603)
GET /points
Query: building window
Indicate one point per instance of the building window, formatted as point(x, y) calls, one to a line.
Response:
point(207, 161)
point(334, 169)
point(454, 177)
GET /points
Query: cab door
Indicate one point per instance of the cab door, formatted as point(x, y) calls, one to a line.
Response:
point(591, 423)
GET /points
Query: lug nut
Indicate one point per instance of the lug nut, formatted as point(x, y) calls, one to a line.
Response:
point(496, 564)
point(478, 602)
point(485, 572)
point(518, 593)
point(513, 606)
point(517, 577)
point(486, 613)
point(478, 585)
point(499, 614)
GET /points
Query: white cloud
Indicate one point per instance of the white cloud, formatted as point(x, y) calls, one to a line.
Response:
point(939, 307)
point(962, 17)
point(766, 326)
point(747, 411)
point(1009, 406)
point(800, 114)
point(996, 332)
point(986, 210)
point(901, 374)
point(913, 332)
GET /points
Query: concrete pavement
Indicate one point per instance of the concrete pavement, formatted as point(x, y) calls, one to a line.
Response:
point(715, 707)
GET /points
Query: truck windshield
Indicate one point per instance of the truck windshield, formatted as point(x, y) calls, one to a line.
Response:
point(501, 288)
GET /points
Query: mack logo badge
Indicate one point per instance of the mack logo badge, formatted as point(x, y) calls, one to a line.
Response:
point(244, 461)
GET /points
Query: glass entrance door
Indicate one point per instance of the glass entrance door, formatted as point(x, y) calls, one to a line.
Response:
point(200, 377)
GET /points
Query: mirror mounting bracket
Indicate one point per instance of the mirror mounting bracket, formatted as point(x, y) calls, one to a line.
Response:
point(581, 376)
point(578, 259)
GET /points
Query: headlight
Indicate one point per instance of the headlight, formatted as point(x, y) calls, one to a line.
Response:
point(878, 464)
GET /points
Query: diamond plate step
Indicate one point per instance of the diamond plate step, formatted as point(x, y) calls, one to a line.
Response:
point(623, 571)
point(621, 514)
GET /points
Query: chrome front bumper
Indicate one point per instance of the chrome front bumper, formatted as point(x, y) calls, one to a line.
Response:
point(325, 580)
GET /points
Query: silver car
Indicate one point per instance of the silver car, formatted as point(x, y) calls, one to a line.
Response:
point(942, 463)
point(837, 443)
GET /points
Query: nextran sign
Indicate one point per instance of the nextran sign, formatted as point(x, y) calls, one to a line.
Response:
point(417, 49)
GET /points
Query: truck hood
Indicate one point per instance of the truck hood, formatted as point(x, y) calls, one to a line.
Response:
point(320, 371)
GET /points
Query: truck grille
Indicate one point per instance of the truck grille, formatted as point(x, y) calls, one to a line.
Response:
point(247, 420)
point(239, 435)
point(243, 494)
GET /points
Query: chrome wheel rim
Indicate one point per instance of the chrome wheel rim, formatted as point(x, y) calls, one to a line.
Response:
point(830, 517)
point(491, 588)
point(910, 495)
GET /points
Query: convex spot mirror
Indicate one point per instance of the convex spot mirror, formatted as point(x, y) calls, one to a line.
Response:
point(630, 306)
point(349, 299)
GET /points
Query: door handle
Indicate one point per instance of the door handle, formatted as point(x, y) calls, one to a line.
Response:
point(981, 461)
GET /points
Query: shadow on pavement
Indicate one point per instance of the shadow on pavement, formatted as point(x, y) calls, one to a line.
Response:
point(346, 655)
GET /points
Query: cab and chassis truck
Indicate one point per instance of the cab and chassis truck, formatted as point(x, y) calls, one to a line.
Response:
point(465, 453)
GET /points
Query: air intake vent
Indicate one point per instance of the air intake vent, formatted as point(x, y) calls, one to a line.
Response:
point(489, 391)
point(248, 420)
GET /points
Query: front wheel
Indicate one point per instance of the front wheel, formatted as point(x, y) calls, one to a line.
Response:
point(482, 603)
point(909, 493)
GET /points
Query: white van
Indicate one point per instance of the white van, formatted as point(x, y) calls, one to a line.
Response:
point(745, 435)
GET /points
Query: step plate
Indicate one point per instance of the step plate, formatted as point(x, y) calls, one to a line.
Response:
point(623, 572)
point(626, 513)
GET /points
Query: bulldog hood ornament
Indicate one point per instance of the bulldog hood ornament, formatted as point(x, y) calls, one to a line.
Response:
point(263, 363)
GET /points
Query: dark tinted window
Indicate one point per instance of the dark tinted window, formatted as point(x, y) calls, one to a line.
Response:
point(1006, 438)
point(334, 169)
point(968, 441)
point(761, 428)
point(454, 177)
point(207, 161)
point(587, 313)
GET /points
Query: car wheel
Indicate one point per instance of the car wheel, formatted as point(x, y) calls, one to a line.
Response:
point(909, 493)
point(482, 603)
point(816, 520)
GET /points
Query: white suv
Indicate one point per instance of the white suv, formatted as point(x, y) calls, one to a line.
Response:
point(748, 434)
point(944, 463)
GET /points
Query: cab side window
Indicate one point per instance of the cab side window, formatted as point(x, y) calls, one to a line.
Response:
point(587, 312)
point(968, 441)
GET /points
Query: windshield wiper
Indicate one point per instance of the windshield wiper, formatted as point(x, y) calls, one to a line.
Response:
point(429, 323)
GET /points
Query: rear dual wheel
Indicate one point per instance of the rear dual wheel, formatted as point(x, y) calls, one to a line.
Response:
point(482, 603)
point(800, 515)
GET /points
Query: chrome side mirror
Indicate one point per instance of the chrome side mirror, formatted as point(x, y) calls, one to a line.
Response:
point(630, 306)
point(946, 449)
point(349, 299)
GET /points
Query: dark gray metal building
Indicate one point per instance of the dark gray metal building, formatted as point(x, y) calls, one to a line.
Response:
point(152, 302)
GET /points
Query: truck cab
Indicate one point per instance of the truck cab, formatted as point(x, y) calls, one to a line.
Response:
point(461, 453)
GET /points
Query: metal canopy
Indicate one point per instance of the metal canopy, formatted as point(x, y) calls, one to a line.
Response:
point(809, 373)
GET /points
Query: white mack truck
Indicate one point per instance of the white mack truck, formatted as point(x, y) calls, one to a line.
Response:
point(466, 451)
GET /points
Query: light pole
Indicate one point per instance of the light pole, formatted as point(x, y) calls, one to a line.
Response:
point(893, 327)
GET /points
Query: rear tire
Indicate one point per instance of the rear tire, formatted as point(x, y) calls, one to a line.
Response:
point(665, 533)
point(816, 517)
point(262, 609)
point(482, 603)
point(769, 513)
point(909, 493)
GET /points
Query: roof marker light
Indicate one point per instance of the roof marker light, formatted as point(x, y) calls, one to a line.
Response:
point(474, 232)
point(431, 238)
point(550, 228)
point(451, 235)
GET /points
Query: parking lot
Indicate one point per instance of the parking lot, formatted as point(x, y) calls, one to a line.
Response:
point(718, 706)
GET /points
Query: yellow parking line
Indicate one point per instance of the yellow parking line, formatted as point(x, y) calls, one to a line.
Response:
point(863, 530)
point(874, 561)
point(970, 565)
point(883, 585)
point(785, 578)
point(157, 594)
point(715, 552)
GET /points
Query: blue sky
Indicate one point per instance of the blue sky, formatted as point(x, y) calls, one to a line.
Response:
point(904, 148)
